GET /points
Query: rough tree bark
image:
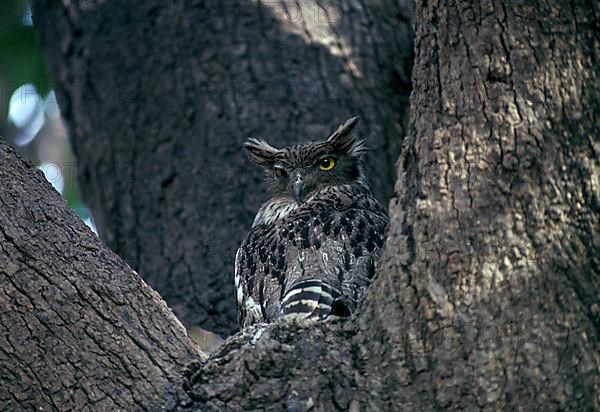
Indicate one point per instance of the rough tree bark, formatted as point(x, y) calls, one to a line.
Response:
point(159, 97)
point(79, 329)
point(497, 212)
point(488, 291)
point(487, 295)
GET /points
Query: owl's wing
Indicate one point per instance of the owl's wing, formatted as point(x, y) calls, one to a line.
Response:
point(249, 310)
point(317, 262)
point(330, 261)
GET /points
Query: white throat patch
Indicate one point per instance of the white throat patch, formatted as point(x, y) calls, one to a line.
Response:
point(274, 210)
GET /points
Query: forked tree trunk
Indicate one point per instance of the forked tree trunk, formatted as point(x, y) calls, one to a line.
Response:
point(487, 293)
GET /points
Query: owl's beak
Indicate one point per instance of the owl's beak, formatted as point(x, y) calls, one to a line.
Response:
point(298, 188)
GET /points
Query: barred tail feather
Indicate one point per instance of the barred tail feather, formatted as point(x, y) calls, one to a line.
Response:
point(308, 299)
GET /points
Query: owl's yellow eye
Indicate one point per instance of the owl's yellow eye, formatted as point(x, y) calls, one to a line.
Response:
point(327, 163)
point(279, 172)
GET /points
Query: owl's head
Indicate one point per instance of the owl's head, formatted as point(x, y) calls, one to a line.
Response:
point(300, 171)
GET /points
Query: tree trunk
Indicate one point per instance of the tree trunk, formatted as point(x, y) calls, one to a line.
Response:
point(487, 293)
point(160, 96)
point(79, 329)
point(491, 270)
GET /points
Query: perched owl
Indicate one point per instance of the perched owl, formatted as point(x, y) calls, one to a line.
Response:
point(314, 244)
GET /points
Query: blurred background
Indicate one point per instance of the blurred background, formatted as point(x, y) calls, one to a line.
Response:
point(29, 113)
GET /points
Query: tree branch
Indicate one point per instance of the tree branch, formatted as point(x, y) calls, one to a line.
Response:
point(79, 329)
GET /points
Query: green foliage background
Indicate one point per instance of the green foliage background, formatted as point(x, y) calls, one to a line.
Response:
point(21, 60)
point(21, 63)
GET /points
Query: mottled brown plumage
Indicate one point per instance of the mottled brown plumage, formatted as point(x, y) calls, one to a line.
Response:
point(314, 245)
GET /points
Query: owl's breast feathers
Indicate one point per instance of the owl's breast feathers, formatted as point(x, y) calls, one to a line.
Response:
point(311, 259)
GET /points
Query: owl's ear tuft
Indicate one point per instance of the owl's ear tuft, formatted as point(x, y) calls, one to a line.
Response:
point(345, 142)
point(260, 152)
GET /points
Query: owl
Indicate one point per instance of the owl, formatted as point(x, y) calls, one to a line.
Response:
point(314, 245)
